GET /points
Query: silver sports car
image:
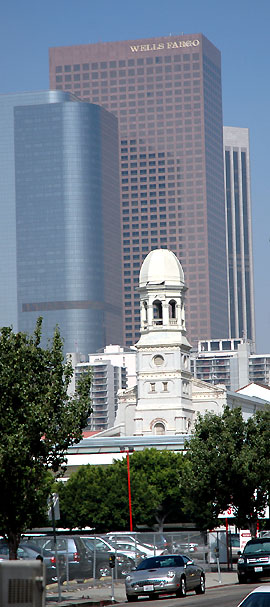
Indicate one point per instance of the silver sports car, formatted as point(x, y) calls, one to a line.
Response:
point(165, 574)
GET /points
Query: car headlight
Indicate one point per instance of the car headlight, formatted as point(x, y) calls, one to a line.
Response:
point(128, 578)
point(241, 560)
point(171, 574)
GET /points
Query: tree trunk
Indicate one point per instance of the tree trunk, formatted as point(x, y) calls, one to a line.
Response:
point(160, 522)
point(13, 544)
point(253, 528)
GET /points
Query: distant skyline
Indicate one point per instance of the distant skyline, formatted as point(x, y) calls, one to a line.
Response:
point(238, 29)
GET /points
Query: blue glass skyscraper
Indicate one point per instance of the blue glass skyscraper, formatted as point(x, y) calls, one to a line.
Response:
point(64, 220)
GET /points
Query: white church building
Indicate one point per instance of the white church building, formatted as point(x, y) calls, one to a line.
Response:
point(166, 399)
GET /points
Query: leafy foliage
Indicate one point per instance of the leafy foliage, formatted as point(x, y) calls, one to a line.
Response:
point(38, 421)
point(97, 496)
point(228, 462)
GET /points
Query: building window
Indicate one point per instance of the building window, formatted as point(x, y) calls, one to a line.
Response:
point(159, 428)
point(172, 309)
point(152, 387)
point(157, 312)
point(158, 360)
point(145, 319)
point(165, 386)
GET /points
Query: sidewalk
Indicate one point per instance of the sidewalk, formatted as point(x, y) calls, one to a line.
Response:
point(92, 594)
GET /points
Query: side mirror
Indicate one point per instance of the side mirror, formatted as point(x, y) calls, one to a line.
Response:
point(133, 569)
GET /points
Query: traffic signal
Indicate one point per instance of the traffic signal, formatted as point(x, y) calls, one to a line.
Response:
point(112, 560)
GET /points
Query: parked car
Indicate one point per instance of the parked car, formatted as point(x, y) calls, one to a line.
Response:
point(259, 597)
point(31, 551)
point(134, 545)
point(165, 574)
point(159, 540)
point(101, 552)
point(132, 551)
point(26, 551)
point(254, 562)
point(72, 550)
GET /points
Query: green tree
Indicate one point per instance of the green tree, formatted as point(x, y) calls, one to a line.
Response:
point(38, 421)
point(227, 463)
point(97, 496)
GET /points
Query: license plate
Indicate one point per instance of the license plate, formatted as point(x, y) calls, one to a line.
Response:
point(148, 588)
point(258, 569)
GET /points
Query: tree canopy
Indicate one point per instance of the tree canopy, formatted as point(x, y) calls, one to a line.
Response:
point(227, 463)
point(38, 421)
point(97, 496)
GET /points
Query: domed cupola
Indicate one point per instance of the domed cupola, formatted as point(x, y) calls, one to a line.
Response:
point(162, 288)
point(161, 266)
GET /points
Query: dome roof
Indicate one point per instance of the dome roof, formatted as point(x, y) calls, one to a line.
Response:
point(161, 266)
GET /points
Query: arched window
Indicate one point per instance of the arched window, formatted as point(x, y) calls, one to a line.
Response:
point(157, 312)
point(159, 428)
point(145, 317)
point(172, 309)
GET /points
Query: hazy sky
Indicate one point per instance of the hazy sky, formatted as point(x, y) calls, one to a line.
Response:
point(239, 28)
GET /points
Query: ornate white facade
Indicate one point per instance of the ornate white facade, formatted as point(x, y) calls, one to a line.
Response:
point(163, 365)
point(162, 403)
point(167, 399)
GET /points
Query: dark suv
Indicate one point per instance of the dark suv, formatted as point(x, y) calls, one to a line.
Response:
point(73, 551)
point(254, 562)
point(30, 550)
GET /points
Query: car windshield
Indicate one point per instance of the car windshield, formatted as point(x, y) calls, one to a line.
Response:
point(155, 562)
point(257, 599)
point(257, 547)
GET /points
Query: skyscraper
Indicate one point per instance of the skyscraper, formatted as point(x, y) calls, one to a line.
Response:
point(239, 233)
point(61, 205)
point(166, 93)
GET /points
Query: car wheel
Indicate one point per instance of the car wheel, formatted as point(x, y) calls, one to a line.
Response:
point(131, 598)
point(103, 570)
point(182, 591)
point(201, 588)
point(242, 579)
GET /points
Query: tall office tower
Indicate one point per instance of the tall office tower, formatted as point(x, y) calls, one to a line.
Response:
point(60, 215)
point(239, 233)
point(166, 93)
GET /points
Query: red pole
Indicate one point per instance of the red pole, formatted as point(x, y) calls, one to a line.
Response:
point(227, 543)
point(129, 493)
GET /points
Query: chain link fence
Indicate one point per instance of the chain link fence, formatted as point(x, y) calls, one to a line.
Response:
point(84, 556)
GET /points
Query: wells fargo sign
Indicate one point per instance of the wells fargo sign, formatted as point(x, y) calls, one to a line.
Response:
point(160, 46)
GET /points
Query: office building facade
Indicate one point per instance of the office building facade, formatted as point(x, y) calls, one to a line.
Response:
point(65, 219)
point(239, 233)
point(8, 265)
point(166, 94)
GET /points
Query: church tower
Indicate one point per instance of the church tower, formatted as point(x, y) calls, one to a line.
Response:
point(164, 404)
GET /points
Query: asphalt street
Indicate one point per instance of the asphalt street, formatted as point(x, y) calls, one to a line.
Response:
point(227, 594)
